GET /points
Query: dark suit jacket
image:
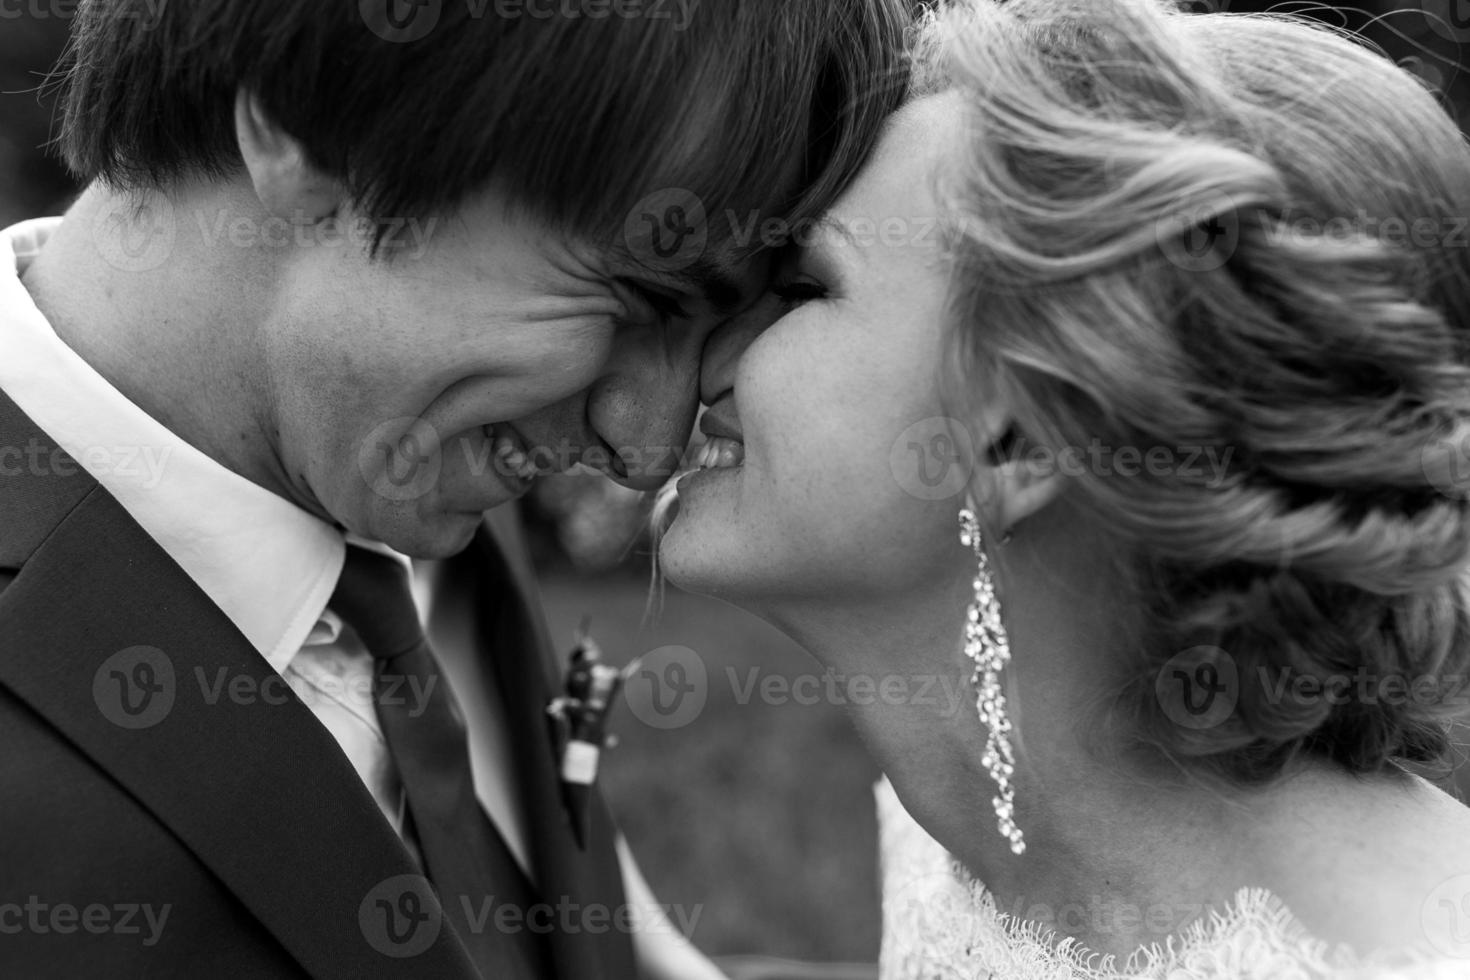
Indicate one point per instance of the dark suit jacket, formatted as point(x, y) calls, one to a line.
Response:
point(133, 786)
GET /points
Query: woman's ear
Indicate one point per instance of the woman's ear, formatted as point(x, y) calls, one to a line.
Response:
point(1025, 483)
point(286, 182)
point(1012, 481)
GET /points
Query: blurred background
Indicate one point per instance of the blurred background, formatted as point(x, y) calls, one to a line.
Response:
point(755, 816)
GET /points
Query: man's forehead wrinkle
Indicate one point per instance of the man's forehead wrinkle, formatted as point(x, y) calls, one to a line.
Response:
point(566, 271)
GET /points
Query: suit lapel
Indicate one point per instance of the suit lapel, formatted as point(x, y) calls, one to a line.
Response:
point(39, 484)
point(102, 634)
point(517, 643)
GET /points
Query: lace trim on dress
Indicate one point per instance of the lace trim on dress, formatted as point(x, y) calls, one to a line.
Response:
point(940, 923)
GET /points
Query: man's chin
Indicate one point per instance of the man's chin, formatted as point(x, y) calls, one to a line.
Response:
point(427, 536)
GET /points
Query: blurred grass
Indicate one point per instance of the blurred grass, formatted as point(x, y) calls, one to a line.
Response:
point(758, 814)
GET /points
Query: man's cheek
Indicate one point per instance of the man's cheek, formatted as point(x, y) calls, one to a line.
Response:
point(531, 398)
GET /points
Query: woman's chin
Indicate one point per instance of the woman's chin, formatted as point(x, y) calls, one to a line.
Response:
point(698, 517)
point(684, 554)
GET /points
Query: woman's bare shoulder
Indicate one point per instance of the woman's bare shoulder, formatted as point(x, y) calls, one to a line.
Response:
point(1374, 869)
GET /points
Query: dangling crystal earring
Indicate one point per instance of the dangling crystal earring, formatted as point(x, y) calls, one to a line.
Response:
point(989, 649)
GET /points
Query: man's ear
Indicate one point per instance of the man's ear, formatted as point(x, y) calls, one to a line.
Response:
point(285, 180)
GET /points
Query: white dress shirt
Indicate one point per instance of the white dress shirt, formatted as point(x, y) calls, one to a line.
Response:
point(267, 564)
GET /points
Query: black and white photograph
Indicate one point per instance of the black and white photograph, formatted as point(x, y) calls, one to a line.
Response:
point(734, 490)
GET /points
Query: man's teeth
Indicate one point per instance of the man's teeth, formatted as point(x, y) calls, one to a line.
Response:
point(719, 453)
point(511, 459)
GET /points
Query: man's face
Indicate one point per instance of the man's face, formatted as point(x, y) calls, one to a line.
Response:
point(410, 395)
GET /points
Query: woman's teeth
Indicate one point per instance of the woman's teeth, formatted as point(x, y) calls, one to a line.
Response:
point(510, 459)
point(720, 453)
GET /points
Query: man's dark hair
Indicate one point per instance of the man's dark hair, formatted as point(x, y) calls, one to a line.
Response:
point(580, 108)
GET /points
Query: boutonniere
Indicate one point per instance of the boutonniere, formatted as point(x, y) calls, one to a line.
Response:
point(580, 714)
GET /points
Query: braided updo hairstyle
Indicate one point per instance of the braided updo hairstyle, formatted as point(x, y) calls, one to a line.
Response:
point(1239, 240)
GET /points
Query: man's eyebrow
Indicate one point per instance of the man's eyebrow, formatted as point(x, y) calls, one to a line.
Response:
point(717, 283)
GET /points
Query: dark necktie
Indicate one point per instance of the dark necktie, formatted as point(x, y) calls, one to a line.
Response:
point(465, 858)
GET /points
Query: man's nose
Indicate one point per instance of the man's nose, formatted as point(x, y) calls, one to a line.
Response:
point(644, 408)
point(723, 350)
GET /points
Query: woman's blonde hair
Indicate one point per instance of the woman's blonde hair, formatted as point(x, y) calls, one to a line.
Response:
point(1244, 238)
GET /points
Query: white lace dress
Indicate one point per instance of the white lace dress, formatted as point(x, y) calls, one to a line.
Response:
point(939, 923)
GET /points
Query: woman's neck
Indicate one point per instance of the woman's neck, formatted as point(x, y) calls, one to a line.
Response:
point(1123, 849)
point(1109, 838)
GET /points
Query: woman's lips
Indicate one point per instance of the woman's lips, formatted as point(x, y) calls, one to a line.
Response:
point(720, 452)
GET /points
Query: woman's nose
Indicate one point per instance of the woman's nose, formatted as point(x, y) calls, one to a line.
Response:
point(723, 350)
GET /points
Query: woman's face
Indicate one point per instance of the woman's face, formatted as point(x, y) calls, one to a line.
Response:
point(847, 490)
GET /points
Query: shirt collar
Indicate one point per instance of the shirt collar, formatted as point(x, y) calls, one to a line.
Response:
point(269, 565)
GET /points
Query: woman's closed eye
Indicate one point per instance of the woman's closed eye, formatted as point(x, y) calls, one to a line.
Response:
point(798, 291)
